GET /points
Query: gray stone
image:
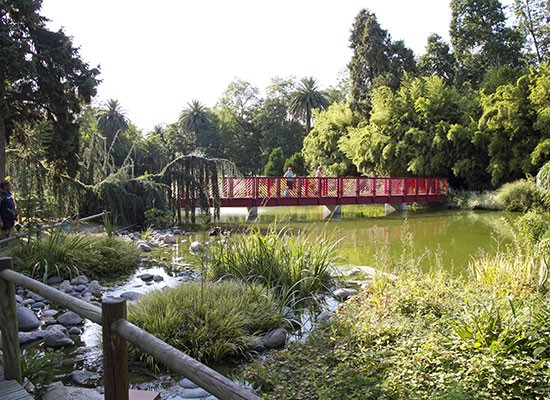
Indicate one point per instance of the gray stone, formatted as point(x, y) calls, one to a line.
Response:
point(26, 302)
point(57, 327)
point(131, 295)
point(74, 331)
point(144, 246)
point(83, 377)
point(54, 280)
point(65, 286)
point(57, 391)
point(169, 239)
point(26, 319)
point(80, 288)
point(343, 294)
point(29, 337)
point(274, 339)
point(194, 393)
point(158, 278)
point(55, 338)
point(146, 277)
point(38, 305)
point(80, 280)
point(93, 288)
point(37, 297)
point(195, 246)
point(187, 384)
point(48, 313)
point(69, 318)
point(18, 298)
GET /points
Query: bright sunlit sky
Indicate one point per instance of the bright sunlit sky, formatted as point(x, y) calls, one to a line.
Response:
point(156, 56)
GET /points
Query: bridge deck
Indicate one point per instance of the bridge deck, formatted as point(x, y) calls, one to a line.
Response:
point(11, 390)
point(276, 191)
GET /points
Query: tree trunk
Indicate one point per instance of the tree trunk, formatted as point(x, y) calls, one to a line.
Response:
point(2, 127)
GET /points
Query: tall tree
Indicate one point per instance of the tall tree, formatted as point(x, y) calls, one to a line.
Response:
point(534, 21)
point(437, 60)
point(194, 118)
point(111, 120)
point(307, 98)
point(376, 60)
point(481, 39)
point(42, 77)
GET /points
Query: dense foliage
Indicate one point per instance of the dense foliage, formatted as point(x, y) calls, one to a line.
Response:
point(427, 336)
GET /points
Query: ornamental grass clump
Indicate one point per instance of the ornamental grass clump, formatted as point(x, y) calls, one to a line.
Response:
point(58, 254)
point(295, 267)
point(208, 321)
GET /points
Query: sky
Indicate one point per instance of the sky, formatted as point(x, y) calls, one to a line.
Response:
point(157, 56)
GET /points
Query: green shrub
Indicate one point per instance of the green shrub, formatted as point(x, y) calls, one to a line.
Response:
point(517, 196)
point(418, 337)
point(58, 254)
point(293, 266)
point(543, 184)
point(208, 321)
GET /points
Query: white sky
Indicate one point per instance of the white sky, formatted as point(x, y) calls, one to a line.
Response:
point(156, 56)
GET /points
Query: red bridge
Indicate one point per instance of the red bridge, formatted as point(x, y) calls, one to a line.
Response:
point(306, 191)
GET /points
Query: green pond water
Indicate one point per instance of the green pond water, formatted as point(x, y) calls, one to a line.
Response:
point(364, 234)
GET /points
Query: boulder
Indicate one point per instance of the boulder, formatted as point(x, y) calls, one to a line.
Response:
point(26, 319)
point(274, 339)
point(343, 294)
point(69, 318)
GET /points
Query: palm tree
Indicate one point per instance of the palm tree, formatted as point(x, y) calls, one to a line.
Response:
point(307, 98)
point(194, 118)
point(111, 120)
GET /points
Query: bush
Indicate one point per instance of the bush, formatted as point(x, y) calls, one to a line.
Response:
point(517, 196)
point(208, 321)
point(57, 254)
point(294, 267)
point(543, 184)
point(418, 337)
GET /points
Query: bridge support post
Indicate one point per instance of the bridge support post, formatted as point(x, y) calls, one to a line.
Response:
point(332, 211)
point(252, 212)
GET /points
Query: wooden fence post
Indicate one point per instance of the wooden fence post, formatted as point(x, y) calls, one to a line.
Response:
point(115, 350)
point(8, 324)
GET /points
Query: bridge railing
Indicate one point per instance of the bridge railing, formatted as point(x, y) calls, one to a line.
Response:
point(311, 187)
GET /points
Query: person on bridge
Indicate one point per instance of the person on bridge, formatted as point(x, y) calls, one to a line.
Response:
point(289, 175)
point(319, 173)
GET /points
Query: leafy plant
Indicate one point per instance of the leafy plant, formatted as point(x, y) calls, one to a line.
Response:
point(517, 196)
point(37, 368)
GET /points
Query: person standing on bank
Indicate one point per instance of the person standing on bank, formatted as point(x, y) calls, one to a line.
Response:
point(8, 211)
point(319, 173)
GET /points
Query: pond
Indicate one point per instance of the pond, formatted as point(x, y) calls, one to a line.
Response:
point(362, 233)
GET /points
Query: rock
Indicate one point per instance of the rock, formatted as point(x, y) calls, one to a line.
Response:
point(197, 393)
point(69, 318)
point(26, 319)
point(38, 305)
point(131, 295)
point(80, 288)
point(26, 302)
point(80, 280)
point(324, 315)
point(274, 339)
point(29, 337)
point(18, 298)
point(56, 338)
point(158, 278)
point(343, 294)
point(37, 297)
point(144, 246)
point(84, 378)
point(48, 313)
point(74, 331)
point(169, 239)
point(57, 391)
point(65, 286)
point(195, 246)
point(187, 384)
point(54, 280)
point(146, 277)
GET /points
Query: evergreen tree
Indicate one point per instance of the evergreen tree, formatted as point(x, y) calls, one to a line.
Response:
point(42, 78)
point(437, 60)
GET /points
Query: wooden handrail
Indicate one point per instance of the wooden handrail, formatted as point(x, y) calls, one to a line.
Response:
point(202, 375)
point(57, 224)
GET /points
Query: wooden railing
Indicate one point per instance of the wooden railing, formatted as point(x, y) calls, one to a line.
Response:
point(116, 332)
